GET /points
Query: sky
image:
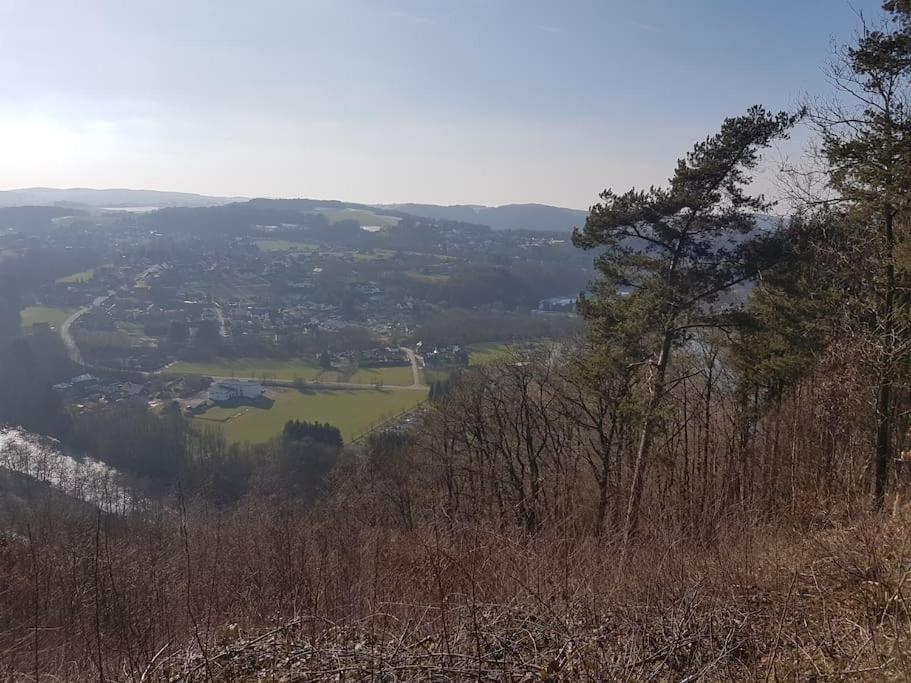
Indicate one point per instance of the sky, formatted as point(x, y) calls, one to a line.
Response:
point(458, 101)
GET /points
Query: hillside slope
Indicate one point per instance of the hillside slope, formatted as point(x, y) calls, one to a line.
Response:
point(538, 217)
point(828, 604)
point(106, 198)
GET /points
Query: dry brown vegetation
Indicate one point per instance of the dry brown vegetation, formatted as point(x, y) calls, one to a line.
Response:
point(488, 548)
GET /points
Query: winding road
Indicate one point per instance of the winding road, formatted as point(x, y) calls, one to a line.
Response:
point(66, 332)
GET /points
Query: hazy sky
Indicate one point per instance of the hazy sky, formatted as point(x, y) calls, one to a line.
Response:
point(463, 101)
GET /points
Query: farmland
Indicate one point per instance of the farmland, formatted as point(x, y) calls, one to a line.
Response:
point(362, 216)
point(261, 368)
point(353, 411)
point(395, 376)
point(482, 354)
point(285, 245)
point(425, 277)
point(44, 314)
point(77, 278)
point(308, 371)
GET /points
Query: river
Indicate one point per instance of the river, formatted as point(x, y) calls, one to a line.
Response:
point(41, 459)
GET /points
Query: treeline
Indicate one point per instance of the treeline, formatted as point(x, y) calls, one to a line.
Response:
point(29, 367)
point(162, 451)
point(473, 327)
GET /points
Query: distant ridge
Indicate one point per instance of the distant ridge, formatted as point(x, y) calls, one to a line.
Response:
point(539, 217)
point(113, 198)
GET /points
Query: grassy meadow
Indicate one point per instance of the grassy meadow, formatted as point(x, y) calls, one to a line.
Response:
point(306, 370)
point(353, 411)
point(260, 368)
point(402, 376)
point(44, 314)
point(77, 278)
point(285, 245)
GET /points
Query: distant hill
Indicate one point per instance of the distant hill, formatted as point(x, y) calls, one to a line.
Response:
point(108, 198)
point(539, 217)
point(33, 217)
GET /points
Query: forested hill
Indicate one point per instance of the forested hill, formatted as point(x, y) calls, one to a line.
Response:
point(540, 217)
point(104, 198)
point(536, 217)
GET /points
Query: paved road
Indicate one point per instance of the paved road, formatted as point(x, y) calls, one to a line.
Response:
point(222, 327)
point(415, 370)
point(66, 332)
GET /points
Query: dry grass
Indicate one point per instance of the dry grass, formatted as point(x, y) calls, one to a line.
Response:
point(270, 592)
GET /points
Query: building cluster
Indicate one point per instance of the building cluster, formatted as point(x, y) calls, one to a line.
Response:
point(89, 388)
point(451, 356)
point(385, 357)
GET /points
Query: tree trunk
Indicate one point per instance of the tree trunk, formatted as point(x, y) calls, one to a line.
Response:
point(883, 437)
point(649, 426)
point(886, 377)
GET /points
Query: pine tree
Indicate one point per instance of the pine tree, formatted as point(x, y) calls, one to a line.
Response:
point(671, 253)
point(795, 309)
point(866, 141)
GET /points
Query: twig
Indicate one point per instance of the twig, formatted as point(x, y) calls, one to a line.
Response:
point(784, 611)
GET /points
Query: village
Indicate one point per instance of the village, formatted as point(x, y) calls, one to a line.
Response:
point(272, 320)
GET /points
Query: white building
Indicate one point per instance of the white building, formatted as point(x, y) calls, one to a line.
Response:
point(235, 390)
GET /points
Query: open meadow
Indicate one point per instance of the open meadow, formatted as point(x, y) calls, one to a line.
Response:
point(396, 376)
point(44, 314)
point(308, 371)
point(362, 216)
point(482, 354)
point(285, 245)
point(257, 368)
point(353, 411)
point(77, 278)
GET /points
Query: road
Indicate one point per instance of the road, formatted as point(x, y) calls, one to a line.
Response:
point(222, 327)
point(415, 370)
point(66, 332)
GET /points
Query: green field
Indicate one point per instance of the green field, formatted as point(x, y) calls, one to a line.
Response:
point(265, 368)
point(251, 367)
point(478, 354)
point(44, 314)
point(482, 354)
point(353, 411)
point(130, 328)
point(363, 256)
point(402, 377)
point(77, 278)
point(436, 375)
point(424, 277)
point(360, 215)
point(285, 245)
